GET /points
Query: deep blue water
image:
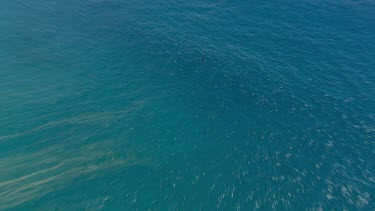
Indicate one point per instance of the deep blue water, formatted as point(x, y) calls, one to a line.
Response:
point(187, 105)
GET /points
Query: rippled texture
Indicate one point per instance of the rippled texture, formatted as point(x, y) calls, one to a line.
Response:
point(187, 105)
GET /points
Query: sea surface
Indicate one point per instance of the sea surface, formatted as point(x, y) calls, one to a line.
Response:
point(187, 105)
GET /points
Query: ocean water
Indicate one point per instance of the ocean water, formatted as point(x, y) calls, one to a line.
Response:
point(187, 105)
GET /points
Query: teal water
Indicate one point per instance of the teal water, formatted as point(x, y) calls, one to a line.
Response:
point(187, 105)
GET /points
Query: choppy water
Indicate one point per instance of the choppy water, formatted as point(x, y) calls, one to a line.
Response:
point(187, 105)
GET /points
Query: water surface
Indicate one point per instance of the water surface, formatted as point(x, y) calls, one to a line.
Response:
point(187, 105)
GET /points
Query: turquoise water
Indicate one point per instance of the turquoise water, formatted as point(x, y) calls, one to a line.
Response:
point(187, 105)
